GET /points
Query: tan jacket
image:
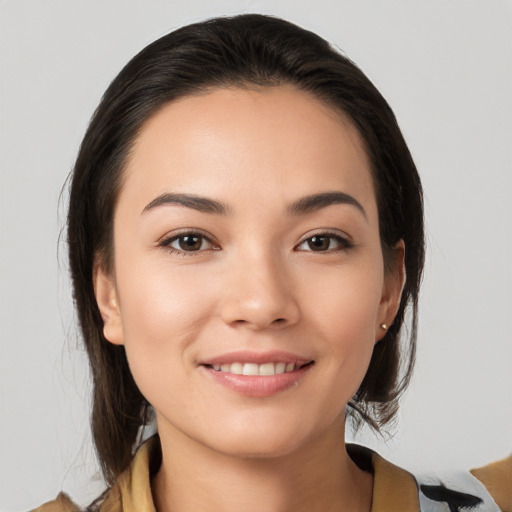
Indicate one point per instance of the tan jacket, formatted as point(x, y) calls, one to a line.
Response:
point(394, 489)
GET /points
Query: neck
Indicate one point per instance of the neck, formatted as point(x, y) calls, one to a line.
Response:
point(319, 476)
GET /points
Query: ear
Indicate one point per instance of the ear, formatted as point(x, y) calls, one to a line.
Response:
point(108, 304)
point(394, 281)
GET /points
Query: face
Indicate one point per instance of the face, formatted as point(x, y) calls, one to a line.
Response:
point(249, 284)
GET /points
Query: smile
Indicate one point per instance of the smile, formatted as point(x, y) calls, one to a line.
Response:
point(258, 375)
point(266, 369)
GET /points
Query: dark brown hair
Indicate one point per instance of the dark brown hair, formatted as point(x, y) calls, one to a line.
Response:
point(243, 51)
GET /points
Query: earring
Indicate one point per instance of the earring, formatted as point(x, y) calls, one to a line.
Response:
point(384, 326)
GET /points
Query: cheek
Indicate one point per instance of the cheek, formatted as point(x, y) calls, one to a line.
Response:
point(163, 316)
point(154, 297)
point(347, 301)
point(345, 316)
point(162, 313)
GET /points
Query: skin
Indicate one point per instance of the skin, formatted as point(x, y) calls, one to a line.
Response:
point(258, 283)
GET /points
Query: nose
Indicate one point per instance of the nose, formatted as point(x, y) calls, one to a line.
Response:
point(259, 294)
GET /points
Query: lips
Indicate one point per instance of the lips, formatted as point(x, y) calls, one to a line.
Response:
point(257, 374)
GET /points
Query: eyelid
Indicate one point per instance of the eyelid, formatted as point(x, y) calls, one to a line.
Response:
point(166, 240)
point(341, 236)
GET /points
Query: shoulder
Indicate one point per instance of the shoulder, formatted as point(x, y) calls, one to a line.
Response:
point(60, 504)
point(130, 493)
point(458, 491)
point(487, 489)
point(497, 479)
point(109, 501)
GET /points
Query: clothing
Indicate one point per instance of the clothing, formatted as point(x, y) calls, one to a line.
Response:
point(497, 478)
point(394, 489)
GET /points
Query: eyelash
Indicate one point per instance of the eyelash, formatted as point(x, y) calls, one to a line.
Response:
point(343, 242)
point(166, 242)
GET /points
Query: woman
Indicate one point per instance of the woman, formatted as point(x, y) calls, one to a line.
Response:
point(245, 234)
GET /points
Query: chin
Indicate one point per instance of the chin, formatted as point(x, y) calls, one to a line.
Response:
point(257, 447)
point(261, 440)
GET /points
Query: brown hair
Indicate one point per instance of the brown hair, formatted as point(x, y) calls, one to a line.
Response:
point(244, 51)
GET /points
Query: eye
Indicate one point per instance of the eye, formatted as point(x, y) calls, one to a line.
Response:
point(187, 243)
point(325, 242)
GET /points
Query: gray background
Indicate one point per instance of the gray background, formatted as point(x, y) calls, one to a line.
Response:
point(446, 68)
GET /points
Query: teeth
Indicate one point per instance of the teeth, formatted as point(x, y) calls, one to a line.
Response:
point(237, 368)
point(267, 369)
point(280, 368)
point(250, 369)
point(255, 369)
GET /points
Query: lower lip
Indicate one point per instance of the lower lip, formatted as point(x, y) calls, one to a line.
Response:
point(257, 385)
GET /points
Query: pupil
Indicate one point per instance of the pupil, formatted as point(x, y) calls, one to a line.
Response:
point(190, 243)
point(319, 243)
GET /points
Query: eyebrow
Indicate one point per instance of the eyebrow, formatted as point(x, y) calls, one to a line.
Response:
point(315, 202)
point(201, 204)
point(302, 206)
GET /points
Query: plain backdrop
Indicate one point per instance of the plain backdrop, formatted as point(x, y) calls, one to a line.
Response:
point(445, 66)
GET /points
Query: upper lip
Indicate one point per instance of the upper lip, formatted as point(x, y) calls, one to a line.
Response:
point(242, 356)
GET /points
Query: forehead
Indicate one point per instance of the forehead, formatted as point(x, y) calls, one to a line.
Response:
point(235, 142)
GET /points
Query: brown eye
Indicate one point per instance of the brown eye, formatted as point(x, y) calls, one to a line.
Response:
point(319, 243)
point(190, 242)
point(325, 242)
